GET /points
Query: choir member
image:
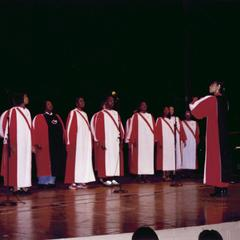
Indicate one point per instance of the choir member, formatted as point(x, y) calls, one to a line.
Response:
point(218, 167)
point(109, 138)
point(191, 129)
point(79, 169)
point(169, 135)
point(49, 143)
point(141, 140)
point(16, 130)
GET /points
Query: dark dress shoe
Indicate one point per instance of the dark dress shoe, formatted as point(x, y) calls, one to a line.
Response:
point(219, 192)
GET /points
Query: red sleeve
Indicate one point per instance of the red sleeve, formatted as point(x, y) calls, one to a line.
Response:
point(71, 128)
point(201, 108)
point(35, 131)
point(39, 131)
point(134, 129)
point(197, 134)
point(158, 131)
point(183, 136)
point(13, 130)
point(100, 130)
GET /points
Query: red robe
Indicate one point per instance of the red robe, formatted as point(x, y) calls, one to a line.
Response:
point(79, 149)
point(217, 159)
point(41, 138)
point(101, 139)
point(17, 154)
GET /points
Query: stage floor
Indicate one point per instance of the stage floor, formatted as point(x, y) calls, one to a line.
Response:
point(62, 213)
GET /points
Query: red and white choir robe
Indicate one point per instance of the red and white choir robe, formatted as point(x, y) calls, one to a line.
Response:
point(191, 129)
point(217, 170)
point(164, 136)
point(16, 129)
point(41, 138)
point(141, 139)
point(79, 167)
point(109, 133)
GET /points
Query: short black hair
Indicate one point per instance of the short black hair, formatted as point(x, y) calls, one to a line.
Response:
point(144, 233)
point(210, 235)
point(45, 102)
point(77, 99)
point(18, 99)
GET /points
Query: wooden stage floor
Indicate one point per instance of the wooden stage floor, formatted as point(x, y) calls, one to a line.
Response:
point(62, 213)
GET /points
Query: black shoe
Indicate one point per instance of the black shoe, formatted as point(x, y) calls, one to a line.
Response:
point(223, 192)
point(219, 192)
point(25, 191)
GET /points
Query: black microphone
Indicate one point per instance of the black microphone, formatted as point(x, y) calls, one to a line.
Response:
point(115, 95)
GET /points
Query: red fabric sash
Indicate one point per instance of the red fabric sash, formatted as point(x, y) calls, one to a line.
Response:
point(190, 129)
point(168, 125)
point(25, 118)
point(115, 123)
point(171, 127)
point(86, 121)
point(147, 122)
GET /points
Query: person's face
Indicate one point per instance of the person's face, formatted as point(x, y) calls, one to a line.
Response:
point(25, 99)
point(214, 88)
point(143, 107)
point(188, 115)
point(171, 111)
point(109, 103)
point(166, 111)
point(49, 106)
point(81, 103)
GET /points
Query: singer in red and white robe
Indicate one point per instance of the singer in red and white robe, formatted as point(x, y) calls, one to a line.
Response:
point(49, 140)
point(191, 129)
point(79, 167)
point(141, 139)
point(164, 136)
point(16, 130)
point(109, 136)
point(217, 170)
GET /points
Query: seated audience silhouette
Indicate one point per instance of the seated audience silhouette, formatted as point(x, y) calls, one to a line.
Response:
point(210, 235)
point(144, 233)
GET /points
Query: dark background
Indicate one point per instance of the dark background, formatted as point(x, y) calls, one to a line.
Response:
point(161, 51)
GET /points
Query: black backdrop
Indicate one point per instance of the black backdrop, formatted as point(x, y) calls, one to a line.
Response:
point(161, 51)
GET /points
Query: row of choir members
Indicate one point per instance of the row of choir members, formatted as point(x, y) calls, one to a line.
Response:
point(47, 137)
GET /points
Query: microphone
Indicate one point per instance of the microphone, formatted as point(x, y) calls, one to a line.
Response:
point(115, 95)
